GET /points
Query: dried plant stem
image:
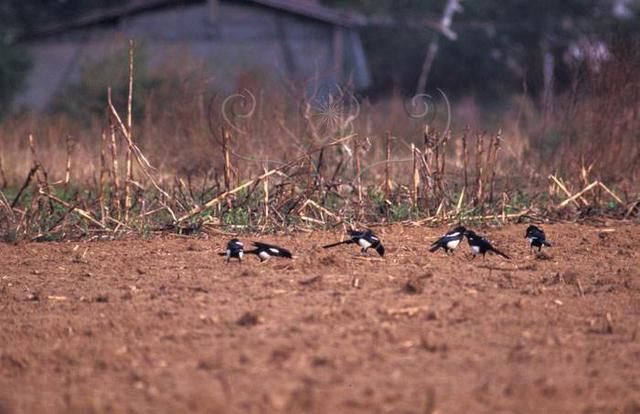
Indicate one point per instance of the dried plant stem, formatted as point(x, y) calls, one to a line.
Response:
point(216, 200)
point(319, 207)
point(387, 166)
point(358, 167)
point(101, 180)
point(69, 148)
point(427, 159)
point(505, 199)
point(465, 156)
point(3, 176)
point(40, 173)
point(5, 203)
point(631, 208)
point(577, 195)
point(27, 181)
point(415, 177)
point(611, 193)
point(567, 192)
point(492, 162)
point(80, 211)
point(128, 161)
point(445, 139)
point(460, 200)
point(114, 161)
point(265, 188)
point(479, 169)
point(139, 156)
point(226, 154)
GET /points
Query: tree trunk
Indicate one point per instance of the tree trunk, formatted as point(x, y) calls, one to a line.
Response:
point(445, 29)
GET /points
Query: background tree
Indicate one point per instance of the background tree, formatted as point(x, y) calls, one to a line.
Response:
point(499, 46)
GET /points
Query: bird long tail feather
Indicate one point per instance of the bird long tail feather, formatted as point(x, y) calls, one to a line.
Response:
point(222, 254)
point(435, 246)
point(498, 252)
point(337, 244)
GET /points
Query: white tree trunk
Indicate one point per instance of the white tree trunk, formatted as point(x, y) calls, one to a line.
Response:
point(445, 29)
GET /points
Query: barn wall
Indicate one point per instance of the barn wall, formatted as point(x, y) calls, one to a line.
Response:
point(226, 40)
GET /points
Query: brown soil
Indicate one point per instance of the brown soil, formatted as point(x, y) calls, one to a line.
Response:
point(165, 326)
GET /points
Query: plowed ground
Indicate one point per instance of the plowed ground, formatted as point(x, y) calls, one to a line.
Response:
point(164, 325)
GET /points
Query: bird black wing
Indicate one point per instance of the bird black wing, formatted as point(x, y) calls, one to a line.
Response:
point(359, 234)
point(271, 249)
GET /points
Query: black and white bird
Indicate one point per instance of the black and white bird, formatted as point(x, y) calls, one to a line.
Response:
point(450, 241)
point(480, 245)
point(535, 236)
point(235, 249)
point(266, 251)
point(365, 239)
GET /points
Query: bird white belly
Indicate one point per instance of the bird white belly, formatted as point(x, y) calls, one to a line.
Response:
point(364, 243)
point(453, 244)
point(264, 255)
point(240, 254)
point(475, 250)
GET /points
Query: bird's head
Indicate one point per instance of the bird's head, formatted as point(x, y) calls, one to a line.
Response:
point(470, 234)
point(530, 230)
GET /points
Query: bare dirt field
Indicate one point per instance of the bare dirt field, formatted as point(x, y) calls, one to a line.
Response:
point(164, 325)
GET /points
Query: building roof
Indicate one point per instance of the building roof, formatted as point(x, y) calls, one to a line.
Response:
point(307, 9)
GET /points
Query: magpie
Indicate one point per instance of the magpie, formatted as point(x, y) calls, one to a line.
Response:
point(480, 245)
point(235, 249)
point(365, 239)
point(535, 236)
point(450, 241)
point(266, 251)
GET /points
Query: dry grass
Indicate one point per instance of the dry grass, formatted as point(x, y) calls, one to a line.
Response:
point(269, 158)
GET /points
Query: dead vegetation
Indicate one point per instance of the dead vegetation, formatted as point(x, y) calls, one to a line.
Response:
point(254, 162)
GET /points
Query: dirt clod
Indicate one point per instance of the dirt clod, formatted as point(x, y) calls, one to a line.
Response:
point(248, 319)
point(102, 298)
